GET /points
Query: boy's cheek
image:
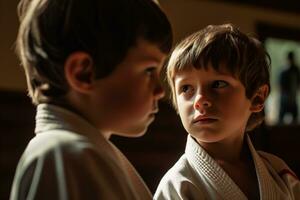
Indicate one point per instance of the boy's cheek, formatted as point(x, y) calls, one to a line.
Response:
point(185, 112)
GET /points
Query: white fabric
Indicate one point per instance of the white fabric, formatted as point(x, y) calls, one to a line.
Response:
point(70, 159)
point(197, 176)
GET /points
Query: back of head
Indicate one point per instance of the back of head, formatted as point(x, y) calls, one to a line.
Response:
point(290, 57)
point(243, 56)
point(51, 30)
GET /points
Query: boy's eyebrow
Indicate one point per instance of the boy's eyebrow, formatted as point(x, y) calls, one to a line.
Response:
point(180, 78)
point(152, 58)
point(223, 73)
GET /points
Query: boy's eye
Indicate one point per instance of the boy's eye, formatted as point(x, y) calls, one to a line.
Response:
point(150, 70)
point(186, 88)
point(219, 84)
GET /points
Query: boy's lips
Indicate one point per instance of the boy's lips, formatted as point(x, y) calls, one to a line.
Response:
point(155, 111)
point(204, 119)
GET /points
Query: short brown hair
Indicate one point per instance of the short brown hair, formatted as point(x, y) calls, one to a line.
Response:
point(51, 30)
point(244, 57)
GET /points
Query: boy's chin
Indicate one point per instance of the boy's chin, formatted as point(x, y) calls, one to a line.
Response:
point(133, 133)
point(138, 130)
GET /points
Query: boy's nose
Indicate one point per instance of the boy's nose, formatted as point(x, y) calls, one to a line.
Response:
point(202, 102)
point(159, 91)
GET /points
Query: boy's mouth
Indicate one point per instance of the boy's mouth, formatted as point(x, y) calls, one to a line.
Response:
point(155, 111)
point(204, 120)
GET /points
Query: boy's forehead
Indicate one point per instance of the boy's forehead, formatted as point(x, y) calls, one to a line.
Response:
point(184, 74)
point(145, 50)
point(221, 69)
point(142, 54)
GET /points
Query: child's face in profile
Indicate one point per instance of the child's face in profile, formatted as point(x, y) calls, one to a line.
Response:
point(127, 100)
point(212, 104)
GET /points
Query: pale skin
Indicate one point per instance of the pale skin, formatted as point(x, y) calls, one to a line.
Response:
point(123, 103)
point(214, 109)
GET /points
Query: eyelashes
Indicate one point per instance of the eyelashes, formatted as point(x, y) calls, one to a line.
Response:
point(214, 86)
point(185, 88)
point(219, 84)
point(150, 70)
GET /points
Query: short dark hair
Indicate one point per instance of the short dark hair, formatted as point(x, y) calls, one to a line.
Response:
point(51, 30)
point(244, 57)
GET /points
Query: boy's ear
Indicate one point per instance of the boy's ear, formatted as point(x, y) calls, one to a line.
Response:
point(258, 99)
point(79, 71)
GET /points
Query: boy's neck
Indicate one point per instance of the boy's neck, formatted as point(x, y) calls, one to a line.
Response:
point(228, 151)
point(77, 109)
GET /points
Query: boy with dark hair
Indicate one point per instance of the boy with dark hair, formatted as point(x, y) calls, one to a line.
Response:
point(92, 70)
point(219, 80)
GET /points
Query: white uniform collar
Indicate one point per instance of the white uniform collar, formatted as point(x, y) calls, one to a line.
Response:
point(207, 167)
point(51, 117)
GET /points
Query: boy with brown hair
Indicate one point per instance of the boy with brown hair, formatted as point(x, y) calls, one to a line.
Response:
point(219, 80)
point(92, 70)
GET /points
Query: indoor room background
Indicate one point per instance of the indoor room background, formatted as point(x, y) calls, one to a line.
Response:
point(275, 22)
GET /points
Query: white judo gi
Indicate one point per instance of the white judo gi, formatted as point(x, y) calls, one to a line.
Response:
point(70, 159)
point(197, 176)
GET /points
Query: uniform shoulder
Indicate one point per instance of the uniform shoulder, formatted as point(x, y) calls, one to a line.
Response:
point(59, 142)
point(179, 183)
point(69, 161)
point(277, 163)
point(178, 171)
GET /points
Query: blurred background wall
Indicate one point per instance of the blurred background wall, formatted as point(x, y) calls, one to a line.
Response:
point(191, 15)
point(154, 153)
point(186, 17)
point(11, 75)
